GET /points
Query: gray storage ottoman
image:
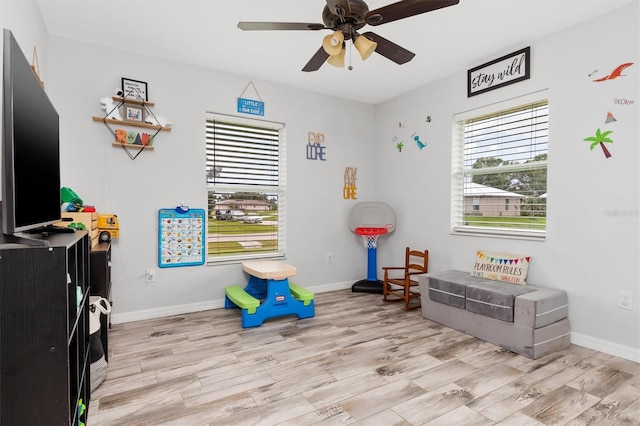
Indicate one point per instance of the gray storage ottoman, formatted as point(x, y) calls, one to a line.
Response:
point(529, 320)
point(493, 299)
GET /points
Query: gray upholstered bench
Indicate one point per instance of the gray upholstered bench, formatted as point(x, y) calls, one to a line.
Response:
point(529, 320)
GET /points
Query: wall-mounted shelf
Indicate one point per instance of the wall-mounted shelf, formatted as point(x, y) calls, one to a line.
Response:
point(141, 111)
point(130, 123)
point(131, 145)
point(133, 101)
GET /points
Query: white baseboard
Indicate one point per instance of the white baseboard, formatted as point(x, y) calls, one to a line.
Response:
point(615, 349)
point(166, 311)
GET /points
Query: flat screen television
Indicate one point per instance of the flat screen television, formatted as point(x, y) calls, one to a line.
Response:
point(30, 146)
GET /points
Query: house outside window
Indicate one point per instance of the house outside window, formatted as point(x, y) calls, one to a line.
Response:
point(246, 189)
point(499, 181)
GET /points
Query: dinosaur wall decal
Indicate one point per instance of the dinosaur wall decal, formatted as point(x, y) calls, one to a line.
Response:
point(617, 72)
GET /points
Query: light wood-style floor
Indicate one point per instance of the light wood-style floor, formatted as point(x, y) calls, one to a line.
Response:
point(358, 361)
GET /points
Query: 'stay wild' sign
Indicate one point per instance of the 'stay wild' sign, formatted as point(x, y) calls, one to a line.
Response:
point(500, 72)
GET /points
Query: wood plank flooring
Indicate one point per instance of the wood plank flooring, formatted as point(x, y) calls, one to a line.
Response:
point(359, 361)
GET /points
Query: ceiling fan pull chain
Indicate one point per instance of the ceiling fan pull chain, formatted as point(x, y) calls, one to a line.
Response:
point(350, 68)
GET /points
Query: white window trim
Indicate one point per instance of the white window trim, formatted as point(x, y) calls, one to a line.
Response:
point(281, 190)
point(457, 174)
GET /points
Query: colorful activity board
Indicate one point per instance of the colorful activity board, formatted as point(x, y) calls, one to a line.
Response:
point(181, 237)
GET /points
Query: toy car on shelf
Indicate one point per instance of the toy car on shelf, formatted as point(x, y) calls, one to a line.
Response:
point(108, 226)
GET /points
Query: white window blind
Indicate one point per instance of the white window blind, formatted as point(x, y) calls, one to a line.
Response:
point(245, 179)
point(499, 184)
point(242, 154)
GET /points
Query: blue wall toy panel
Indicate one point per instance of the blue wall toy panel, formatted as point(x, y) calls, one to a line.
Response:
point(181, 237)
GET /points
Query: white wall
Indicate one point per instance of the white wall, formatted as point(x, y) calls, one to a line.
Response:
point(23, 19)
point(25, 22)
point(589, 251)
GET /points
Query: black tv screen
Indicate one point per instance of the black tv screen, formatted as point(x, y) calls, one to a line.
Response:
point(30, 146)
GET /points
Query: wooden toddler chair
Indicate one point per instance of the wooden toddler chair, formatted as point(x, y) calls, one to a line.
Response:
point(396, 288)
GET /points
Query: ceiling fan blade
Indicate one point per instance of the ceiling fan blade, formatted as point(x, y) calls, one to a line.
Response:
point(389, 49)
point(316, 60)
point(271, 26)
point(404, 9)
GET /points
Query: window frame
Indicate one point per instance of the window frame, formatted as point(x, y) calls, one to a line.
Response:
point(278, 189)
point(460, 174)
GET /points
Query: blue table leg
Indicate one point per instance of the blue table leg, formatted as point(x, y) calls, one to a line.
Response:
point(278, 301)
point(257, 287)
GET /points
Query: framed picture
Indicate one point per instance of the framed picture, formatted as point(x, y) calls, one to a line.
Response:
point(500, 72)
point(133, 113)
point(135, 89)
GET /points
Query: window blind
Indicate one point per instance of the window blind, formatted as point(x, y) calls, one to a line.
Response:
point(242, 154)
point(500, 170)
point(245, 176)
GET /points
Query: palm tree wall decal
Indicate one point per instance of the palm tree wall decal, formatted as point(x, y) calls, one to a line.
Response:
point(600, 138)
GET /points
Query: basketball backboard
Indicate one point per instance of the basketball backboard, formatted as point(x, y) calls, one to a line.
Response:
point(372, 214)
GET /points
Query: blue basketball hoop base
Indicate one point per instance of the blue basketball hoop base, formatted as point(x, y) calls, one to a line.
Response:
point(366, 286)
point(371, 284)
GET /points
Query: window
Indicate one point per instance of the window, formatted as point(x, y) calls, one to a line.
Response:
point(245, 186)
point(499, 184)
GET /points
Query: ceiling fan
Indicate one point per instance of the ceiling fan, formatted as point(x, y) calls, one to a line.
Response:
point(345, 18)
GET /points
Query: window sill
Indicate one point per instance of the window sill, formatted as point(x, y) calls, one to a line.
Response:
point(470, 231)
point(239, 259)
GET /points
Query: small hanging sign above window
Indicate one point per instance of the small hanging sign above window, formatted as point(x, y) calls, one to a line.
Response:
point(250, 106)
point(505, 70)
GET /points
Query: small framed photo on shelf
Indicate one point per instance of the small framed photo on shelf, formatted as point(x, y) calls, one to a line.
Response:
point(133, 113)
point(134, 89)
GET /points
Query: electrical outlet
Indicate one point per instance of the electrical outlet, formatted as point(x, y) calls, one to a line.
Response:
point(329, 257)
point(625, 299)
point(150, 275)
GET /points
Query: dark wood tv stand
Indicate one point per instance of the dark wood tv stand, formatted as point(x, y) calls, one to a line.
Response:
point(44, 332)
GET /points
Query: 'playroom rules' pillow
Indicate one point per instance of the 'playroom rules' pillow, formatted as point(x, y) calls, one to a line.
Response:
point(505, 267)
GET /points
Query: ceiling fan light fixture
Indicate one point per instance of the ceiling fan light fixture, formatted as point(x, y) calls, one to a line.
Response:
point(345, 18)
point(364, 46)
point(337, 60)
point(332, 43)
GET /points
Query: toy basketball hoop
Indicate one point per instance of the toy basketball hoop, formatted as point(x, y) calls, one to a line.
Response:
point(370, 220)
point(370, 236)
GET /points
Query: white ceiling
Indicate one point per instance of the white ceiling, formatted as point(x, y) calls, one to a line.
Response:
point(204, 33)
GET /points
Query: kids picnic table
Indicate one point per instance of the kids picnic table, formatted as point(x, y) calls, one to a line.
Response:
point(269, 293)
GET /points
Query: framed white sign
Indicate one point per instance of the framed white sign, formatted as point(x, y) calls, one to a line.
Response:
point(134, 89)
point(500, 72)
